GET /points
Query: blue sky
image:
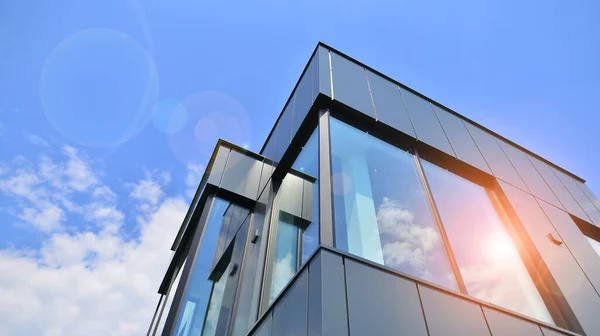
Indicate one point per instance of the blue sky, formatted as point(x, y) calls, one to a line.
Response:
point(109, 110)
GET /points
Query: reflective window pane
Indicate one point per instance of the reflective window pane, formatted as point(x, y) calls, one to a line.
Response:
point(284, 259)
point(495, 157)
point(462, 143)
point(486, 255)
point(195, 302)
point(389, 106)
point(381, 211)
point(350, 84)
point(426, 124)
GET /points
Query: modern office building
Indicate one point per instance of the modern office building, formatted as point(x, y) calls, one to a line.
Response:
point(374, 210)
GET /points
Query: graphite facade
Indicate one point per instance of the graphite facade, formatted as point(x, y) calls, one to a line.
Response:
point(374, 210)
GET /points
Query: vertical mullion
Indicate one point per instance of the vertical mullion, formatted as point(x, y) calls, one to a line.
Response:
point(326, 229)
point(461, 283)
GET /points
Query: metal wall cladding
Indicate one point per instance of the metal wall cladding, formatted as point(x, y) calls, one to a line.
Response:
point(350, 84)
point(239, 173)
point(345, 296)
point(573, 283)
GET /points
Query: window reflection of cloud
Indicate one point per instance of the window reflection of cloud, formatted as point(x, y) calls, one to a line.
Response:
point(404, 242)
point(212, 317)
point(283, 271)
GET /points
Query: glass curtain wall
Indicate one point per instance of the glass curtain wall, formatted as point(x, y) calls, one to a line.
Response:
point(383, 213)
point(295, 226)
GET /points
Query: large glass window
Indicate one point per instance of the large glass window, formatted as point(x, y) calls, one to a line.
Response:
point(381, 211)
point(485, 253)
point(295, 227)
point(206, 307)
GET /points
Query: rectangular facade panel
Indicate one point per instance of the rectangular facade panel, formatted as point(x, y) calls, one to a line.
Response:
point(315, 295)
point(265, 326)
point(216, 171)
point(389, 106)
point(427, 126)
point(574, 285)
point(448, 315)
point(502, 324)
point(324, 79)
point(380, 303)
point(460, 139)
point(558, 188)
point(289, 313)
point(581, 198)
point(550, 332)
point(350, 85)
point(241, 175)
point(529, 174)
point(335, 317)
point(583, 252)
point(289, 197)
point(304, 98)
point(495, 157)
point(269, 150)
point(284, 133)
point(589, 193)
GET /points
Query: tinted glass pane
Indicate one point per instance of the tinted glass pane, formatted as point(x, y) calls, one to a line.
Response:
point(350, 84)
point(530, 175)
point(214, 307)
point(486, 255)
point(284, 255)
point(308, 163)
point(558, 188)
point(495, 157)
point(426, 124)
point(389, 106)
point(196, 299)
point(595, 244)
point(461, 140)
point(381, 211)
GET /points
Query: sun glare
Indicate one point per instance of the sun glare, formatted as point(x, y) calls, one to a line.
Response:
point(500, 247)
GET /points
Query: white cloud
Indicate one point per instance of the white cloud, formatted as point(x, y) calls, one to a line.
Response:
point(37, 140)
point(194, 175)
point(46, 218)
point(77, 170)
point(88, 283)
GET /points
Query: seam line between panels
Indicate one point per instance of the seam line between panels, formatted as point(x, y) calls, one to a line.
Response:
point(478, 148)
point(330, 74)
point(586, 195)
point(224, 167)
point(345, 292)
point(573, 197)
point(371, 94)
point(548, 184)
point(487, 324)
point(515, 168)
point(422, 308)
point(566, 245)
point(443, 130)
point(438, 219)
point(407, 112)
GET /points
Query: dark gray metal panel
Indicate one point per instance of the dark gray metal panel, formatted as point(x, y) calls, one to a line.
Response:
point(389, 106)
point(238, 172)
point(558, 188)
point(449, 315)
point(315, 296)
point(284, 133)
point(269, 151)
point(307, 194)
point(380, 303)
point(589, 193)
point(325, 202)
point(324, 71)
point(265, 326)
point(289, 313)
point(583, 252)
point(462, 143)
point(335, 318)
point(550, 332)
point(495, 157)
point(216, 171)
point(529, 174)
point(502, 324)
point(265, 176)
point(350, 85)
point(304, 98)
point(573, 284)
point(427, 126)
point(581, 198)
point(289, 198)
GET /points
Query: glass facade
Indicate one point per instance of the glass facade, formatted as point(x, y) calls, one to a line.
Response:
point(433, 211)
